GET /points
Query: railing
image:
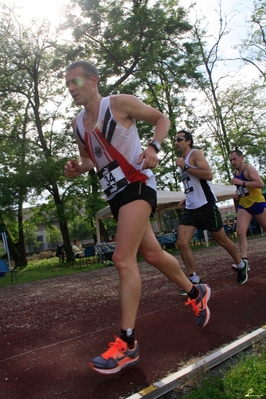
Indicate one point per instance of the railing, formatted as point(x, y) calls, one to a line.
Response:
point(105, 250)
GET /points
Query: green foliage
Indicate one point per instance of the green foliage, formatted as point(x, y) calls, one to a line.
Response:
point(47, 268)
point(253, 49)
point(244, 122)
point(29, 86)
point(79, 228)
point(245, 379)
point(212, 387)
point(232, 116)
point(41, 264)
point(30, 234)
point(251, 371)
point(170, 220)
point(53, 235)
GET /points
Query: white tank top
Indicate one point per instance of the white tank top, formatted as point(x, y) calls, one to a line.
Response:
point(114, 151)
point(198, 191)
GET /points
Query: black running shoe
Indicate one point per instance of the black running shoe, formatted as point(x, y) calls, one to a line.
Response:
point(242, 274)
point(234, 267)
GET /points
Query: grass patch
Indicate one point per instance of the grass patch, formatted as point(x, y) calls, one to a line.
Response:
point(47, 268)
point(241, 377)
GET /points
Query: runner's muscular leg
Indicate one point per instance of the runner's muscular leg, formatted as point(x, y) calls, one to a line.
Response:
point(132, 223)
point(243, 221)
point(221, 238)
point(163, 261)
point(185, 234)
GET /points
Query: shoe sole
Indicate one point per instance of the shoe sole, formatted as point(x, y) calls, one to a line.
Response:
point(208, 313)
point(205, 303)
point(235, 268)
point(244, 281)
point(116, 369)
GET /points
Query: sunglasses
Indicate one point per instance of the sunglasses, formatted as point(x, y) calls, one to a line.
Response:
point(178, 139)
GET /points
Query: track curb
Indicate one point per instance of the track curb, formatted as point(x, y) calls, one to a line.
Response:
point(170, 382)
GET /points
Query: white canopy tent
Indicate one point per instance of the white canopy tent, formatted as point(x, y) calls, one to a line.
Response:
point(168, 200)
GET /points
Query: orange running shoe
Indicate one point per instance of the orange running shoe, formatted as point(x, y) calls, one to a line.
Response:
point(199, 305)
point(116, 357)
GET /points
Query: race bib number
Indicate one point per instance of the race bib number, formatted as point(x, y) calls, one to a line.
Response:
point(112, 178)
point(187, 184)
point(242, 191)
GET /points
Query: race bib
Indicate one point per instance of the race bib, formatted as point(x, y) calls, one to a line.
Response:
point(242, 191)
point(187, 184)
point(112, 178)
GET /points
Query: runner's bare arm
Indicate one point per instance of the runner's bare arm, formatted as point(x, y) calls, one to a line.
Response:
point(75, 168)
point(125, 108)
point(254, 179)
point(130, 107)
point(203, 169)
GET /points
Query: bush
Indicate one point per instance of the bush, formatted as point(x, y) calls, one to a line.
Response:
point(41, 263)
point(41, 255)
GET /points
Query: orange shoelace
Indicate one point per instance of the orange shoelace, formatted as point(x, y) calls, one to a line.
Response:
point(118, 345)
point(195, 308)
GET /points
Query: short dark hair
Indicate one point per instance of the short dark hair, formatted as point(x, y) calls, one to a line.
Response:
point(238, 152)
point(88, 68)
point(188, 136)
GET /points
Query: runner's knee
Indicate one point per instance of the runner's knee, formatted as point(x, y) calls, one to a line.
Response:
point(154, 257)
point(122, 261)
point(182, 245)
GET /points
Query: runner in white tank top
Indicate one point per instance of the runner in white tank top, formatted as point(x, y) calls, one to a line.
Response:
point(198, 191)
point(107, 139)
point(114, 150)
point(200, 210)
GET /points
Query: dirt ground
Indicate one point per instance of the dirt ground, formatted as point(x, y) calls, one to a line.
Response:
point(51, 329)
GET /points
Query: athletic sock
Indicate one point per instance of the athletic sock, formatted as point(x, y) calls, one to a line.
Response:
point(128, 336)
point(241, 264)
point(194, 293)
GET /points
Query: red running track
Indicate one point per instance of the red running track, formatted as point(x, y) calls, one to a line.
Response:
point(52, 328)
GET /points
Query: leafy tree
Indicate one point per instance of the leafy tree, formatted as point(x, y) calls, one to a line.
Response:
point(210, 57)
point(140, 48)
point(245, 120)
point(53, 235)
point(233, 116)
point(253, 49)
point(31, 97)
point(78, 228)
point(30, 232)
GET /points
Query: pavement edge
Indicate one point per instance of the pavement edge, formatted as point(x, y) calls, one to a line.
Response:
point(168, 383)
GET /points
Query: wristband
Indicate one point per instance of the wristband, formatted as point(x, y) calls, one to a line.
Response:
point(244, 184)
point(156, 145)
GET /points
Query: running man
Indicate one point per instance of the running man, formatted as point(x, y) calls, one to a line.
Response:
point(251, 201)
point(200, 208)
point(108, 140)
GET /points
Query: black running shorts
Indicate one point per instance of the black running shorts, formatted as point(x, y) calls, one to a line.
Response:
point(133, 192)
point(207, 217)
